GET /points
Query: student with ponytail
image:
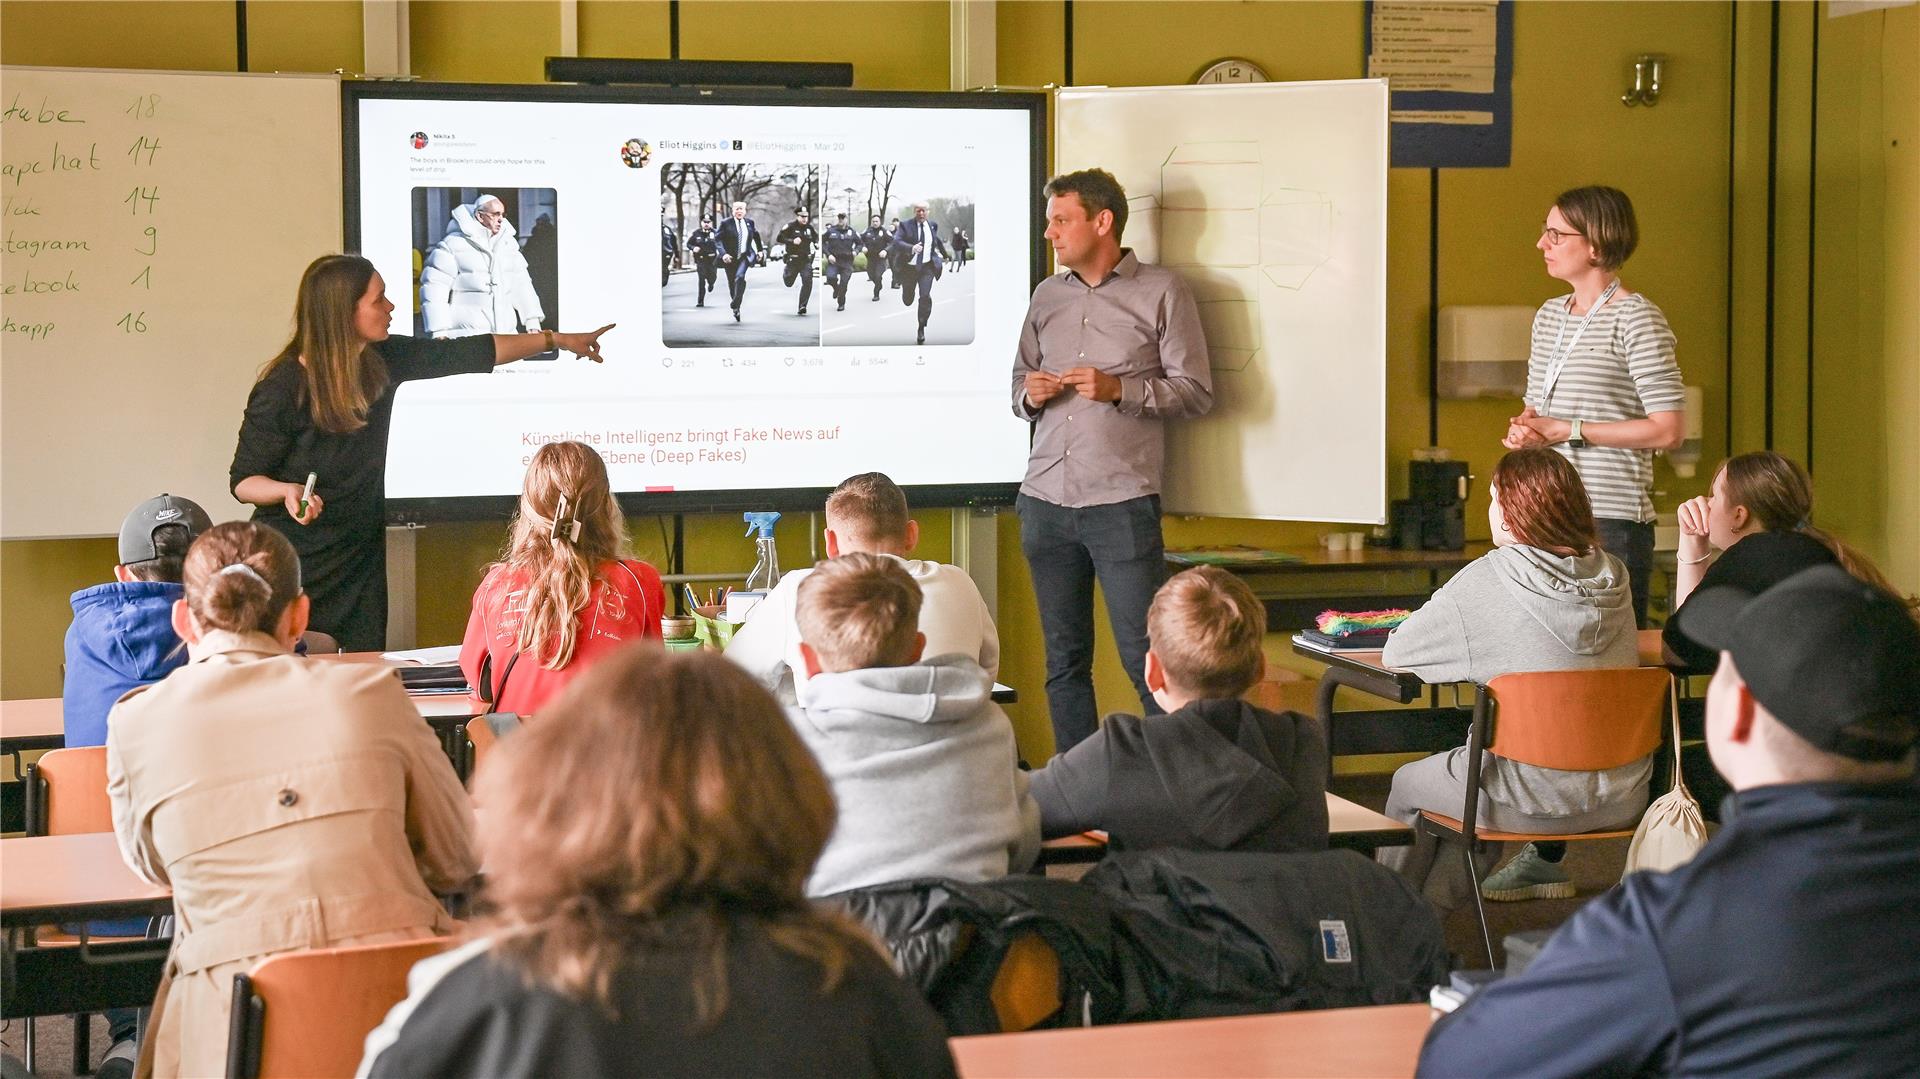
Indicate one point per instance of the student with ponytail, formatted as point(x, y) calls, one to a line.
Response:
point(289, 803)
point(1752, 530)
point(322, 408)
point(564, 595)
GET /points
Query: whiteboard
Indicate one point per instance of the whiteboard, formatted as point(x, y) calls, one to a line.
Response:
point(1271, 202)
point(156, 225)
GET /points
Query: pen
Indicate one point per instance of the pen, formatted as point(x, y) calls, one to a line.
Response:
point(693, 598)
point(307, 493)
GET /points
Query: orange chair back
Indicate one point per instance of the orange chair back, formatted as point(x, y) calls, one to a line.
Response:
point(1026, 988)
point(76, 788)
point(318, 1006)
point(1579, 721)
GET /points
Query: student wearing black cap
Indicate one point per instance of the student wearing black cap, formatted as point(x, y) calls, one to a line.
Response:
point(1788, 945)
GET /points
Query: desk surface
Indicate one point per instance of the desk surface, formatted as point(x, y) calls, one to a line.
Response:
point(1652, 654)
point(35, 718)
point(1375, 1043)
point(69, 877)
point(1367, 559)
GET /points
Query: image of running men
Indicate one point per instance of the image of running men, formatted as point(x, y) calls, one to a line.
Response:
point(739, 224)
point(911, 214)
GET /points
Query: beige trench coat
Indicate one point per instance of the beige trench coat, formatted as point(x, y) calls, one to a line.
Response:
point(290, 804)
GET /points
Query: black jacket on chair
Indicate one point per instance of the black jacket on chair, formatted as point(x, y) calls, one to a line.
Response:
point(1229, 933)
point(949, 938)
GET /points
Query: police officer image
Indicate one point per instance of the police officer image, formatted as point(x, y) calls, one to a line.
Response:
point(798, 237)
point(841, 244)
point(704, 245)
point(878, 242)
point(962, 243)
point(669, 247)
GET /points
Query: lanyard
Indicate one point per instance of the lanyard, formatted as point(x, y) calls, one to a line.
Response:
point(1556, 359)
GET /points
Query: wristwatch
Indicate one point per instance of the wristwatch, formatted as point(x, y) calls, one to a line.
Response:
point(1574, 439)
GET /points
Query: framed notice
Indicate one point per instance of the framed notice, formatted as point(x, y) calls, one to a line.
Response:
point(1449, 71)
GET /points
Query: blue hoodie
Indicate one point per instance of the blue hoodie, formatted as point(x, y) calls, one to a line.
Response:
point(121, 638)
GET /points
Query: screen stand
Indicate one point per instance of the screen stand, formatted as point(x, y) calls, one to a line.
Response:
point(402, 582)
point(976, 549)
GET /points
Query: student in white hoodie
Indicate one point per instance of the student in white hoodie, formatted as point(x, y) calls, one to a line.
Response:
point(868, 514)
point(922, 762)
point(1546, 598)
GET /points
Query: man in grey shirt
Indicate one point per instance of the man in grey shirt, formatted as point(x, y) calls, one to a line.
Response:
point(1110, 348)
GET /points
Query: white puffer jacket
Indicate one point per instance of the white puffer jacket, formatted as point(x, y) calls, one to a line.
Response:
point(474, 282)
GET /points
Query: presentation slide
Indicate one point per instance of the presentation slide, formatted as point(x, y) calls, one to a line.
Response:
point(800, 292)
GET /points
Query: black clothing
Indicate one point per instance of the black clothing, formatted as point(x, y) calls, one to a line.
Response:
point(1239, 932)
point(1215, 775)
point(961, 245)
point(1786, 947)
point(1632, 543)
point(841, 244)
point(342, 553)
point(916, 279)
point(669, 247)
point(741, 250)
point(704, 245)
point(949, 939)
point(878, 243)
point(1754, 564)
point(483, 1020)
point(799, 239)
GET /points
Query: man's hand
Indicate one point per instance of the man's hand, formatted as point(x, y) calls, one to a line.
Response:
point(1042, 387)
point(1093, 383)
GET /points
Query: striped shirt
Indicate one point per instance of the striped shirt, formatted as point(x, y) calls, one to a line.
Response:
point(1622, 368)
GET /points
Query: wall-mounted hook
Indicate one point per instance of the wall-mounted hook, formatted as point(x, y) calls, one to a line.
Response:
point(1646, 81)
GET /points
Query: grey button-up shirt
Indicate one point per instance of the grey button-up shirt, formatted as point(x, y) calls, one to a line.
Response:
point(1141, 326)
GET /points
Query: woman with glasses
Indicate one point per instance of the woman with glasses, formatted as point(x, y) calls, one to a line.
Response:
point(1603, 386)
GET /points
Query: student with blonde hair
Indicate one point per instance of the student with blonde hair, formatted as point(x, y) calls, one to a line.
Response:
point(1214, 772)
point(922, 762)
point(646, 852)
point(289, 803)
point(868, 514)
point(564, 595)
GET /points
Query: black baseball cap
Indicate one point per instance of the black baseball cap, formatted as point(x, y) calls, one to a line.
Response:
point(136, 532)
point(1832, 657)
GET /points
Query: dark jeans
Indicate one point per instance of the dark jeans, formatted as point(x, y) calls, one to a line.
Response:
point(1632, 543)
point(1067, 550)
point(801, 269)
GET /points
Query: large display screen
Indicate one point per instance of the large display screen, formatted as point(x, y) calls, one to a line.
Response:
point(805, 285)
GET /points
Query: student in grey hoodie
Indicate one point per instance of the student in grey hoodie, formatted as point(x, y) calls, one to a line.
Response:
point(1215, 772)
point(1546, 598)
point(922, 762)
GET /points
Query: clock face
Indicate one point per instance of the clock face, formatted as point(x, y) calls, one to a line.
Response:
point(1231, 69)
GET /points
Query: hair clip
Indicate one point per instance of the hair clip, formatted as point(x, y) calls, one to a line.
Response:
point(242, 567)
point(564, 525)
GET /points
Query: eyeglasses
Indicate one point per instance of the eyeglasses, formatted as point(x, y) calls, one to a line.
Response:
point(1557, 236)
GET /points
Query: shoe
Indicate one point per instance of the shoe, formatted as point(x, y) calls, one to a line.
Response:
point(842, 307)
point(700, 303)
point(921, 337)
point(736, 314)
point(1527, 876)
point(803, 310)
point(118, 1063)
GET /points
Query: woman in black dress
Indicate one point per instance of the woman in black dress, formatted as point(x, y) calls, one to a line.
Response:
point(323, 406)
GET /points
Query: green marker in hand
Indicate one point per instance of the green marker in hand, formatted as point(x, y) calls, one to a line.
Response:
point(307, 493)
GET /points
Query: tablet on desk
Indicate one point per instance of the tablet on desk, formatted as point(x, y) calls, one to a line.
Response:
point(1320, 642)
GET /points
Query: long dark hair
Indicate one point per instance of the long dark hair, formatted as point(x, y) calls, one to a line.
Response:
point(342, 380)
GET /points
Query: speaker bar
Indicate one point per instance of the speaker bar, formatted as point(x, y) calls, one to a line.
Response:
point(602, 71)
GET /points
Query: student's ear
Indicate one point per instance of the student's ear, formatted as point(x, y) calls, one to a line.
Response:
point(1156, 672)
point(919, 648)
point(833, 543)
point(293, 620)
point(809, 659)
point(1737, 518)
point(122, 574)
point(1741, 732)
point(183, 624)
point(913, 535)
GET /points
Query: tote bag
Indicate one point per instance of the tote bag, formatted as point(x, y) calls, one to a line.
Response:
point(1672, 831)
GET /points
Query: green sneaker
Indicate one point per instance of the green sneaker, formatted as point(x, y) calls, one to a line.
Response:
point(1527, 876)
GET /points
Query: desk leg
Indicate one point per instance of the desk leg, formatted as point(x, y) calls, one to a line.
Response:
point(1323, 711)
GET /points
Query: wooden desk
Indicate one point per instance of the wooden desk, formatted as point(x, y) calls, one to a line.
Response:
point(1366, 1043)
point(1288, 611)
point(71, 878)
point(1350, 826)
point(31, 724)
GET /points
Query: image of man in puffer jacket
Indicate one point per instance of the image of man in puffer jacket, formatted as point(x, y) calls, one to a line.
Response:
point(475, 279)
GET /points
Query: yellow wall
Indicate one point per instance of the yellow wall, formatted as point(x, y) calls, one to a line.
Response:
point(1572, 63)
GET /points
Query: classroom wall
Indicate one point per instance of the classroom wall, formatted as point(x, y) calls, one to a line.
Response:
point(1698, 165)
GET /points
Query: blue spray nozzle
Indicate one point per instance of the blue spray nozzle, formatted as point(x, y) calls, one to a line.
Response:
point(763, 521)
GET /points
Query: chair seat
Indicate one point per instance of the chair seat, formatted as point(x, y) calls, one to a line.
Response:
point(1490, 835)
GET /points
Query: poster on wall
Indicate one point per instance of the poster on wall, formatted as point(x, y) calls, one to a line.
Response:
point(1449, 69)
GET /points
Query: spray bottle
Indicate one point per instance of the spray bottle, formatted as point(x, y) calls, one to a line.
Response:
point(766, 567)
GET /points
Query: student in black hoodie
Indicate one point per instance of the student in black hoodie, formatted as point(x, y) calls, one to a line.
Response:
point(1214, 773)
